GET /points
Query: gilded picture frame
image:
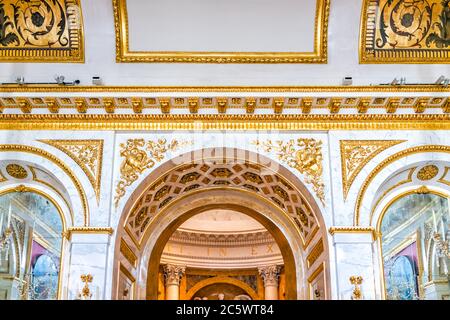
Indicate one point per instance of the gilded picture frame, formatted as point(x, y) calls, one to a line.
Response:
point(405, 32)
point(124, 54)
point(42, 31)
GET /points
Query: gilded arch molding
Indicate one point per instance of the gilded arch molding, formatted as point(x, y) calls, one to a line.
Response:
point(60, 164)
point(385, 163)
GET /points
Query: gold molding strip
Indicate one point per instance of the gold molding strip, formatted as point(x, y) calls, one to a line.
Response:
point(222, 89)
point(224, 122)
point(88, 230)
point(315, 253)
point(123, 53)
point(353, 229)
point(128, 253)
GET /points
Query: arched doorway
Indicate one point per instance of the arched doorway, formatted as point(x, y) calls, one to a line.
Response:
point(31, 248)
point(180, 189)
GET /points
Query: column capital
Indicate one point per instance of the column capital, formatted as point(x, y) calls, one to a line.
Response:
point(270, 275)
point(173, 274)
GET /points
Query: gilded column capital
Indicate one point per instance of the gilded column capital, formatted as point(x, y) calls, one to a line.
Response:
point(173, 274)
point(270, 275)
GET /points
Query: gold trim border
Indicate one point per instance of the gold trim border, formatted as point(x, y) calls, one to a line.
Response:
point(123, 53)
point(223, 122)
point(88, 230)
point(353, 229)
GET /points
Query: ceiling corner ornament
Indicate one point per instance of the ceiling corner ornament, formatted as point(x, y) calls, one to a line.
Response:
point(304, 155)
point(88, 154)
point(16, 171)
point(386, 162)
point(60, 164)
point(405, 31)
point(124, 54)
point(428, 172)
point(355, 154)
point(138, 156)
point(41, 31)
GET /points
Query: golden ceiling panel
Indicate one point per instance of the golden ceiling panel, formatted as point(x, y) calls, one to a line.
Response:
point(41, 31)
point(124, 54)
point(405, 31)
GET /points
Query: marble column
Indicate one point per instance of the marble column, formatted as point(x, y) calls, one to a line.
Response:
point(172, 278)
point(270, 276)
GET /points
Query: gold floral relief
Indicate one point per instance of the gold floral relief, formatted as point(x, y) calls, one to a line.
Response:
point(355, 154)
point(138, 156)
point(304, 155)
point(88, 154)
point(405, 31)
point(41, 31)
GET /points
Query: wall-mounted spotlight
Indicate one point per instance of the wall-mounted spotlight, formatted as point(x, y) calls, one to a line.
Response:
point(347, 81)
point(395, 82)
point(97, 81)
point(442, 81)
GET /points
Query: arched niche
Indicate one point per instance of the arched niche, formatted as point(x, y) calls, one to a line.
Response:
point(295, 223)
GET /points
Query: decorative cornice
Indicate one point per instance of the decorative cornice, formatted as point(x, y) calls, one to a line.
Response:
point(224, 122)
point(228, 240)
point(355, 154)
point(216, 101)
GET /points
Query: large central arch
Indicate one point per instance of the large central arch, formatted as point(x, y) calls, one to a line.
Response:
point(241, 181)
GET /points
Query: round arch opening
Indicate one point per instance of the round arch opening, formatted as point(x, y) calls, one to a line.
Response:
point(285, 208)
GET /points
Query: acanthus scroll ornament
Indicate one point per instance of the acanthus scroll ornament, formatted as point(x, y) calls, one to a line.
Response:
point(304, 155)
point(270, 275)
point(173, 274)
point(139, 156)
